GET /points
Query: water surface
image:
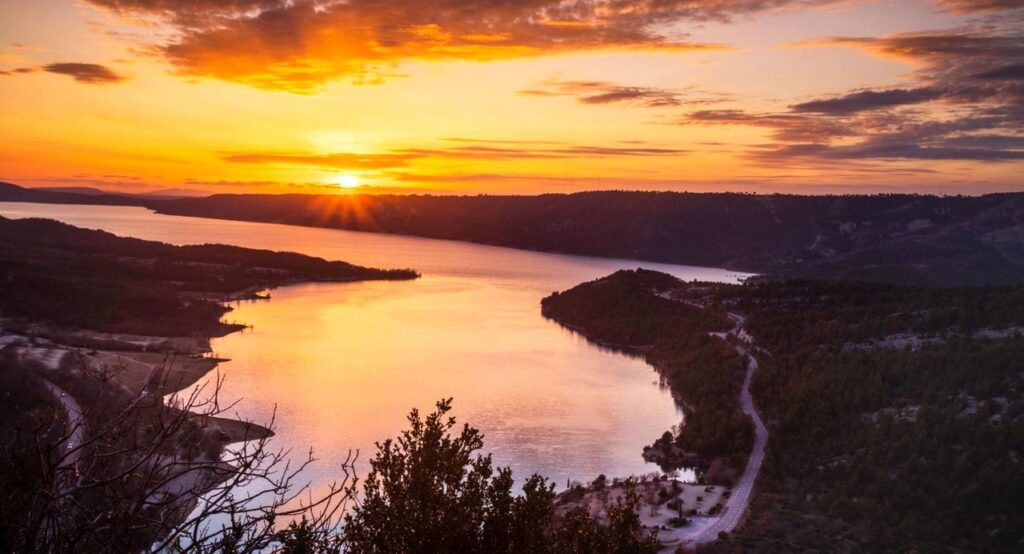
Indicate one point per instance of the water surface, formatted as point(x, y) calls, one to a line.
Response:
point(344, 363)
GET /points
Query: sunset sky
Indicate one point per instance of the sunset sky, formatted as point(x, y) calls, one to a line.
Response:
point(513, 96)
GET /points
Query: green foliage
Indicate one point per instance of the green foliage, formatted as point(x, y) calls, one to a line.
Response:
point(428, 493)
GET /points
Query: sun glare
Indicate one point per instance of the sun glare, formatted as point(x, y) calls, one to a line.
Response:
point(347, 181)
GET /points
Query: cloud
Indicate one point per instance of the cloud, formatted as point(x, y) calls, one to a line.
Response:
point(298, 45)
point(499, 141)
point(333, 161)
point(967, 103)
point(875, 136)
point(604, 92)
point(969, 6)
point(18, 71)
point(89, 73)
point(878, 136)
point(401, 158)
point(483, 152)
point(868, 100)
point(788, 127)
point(1009, 72)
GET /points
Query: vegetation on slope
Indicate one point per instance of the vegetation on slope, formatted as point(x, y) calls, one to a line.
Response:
point(897, 418)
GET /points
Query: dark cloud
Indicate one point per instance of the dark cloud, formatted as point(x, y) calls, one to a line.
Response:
point(298, 45)
point(980, 5)
point(885, 135)
point(604, 92)
point(19, 71)
point(1009, 72)
point(90, 73)
point(956, 46)
point(868, 100)
point(967, 104)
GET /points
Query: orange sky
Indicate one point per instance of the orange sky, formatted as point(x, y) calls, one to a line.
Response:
point(513, 96)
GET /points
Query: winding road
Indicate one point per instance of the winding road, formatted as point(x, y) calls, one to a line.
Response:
point(74, 424)
point(739, 500)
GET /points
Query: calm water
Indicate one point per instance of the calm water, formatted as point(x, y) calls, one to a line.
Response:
point(344, 363)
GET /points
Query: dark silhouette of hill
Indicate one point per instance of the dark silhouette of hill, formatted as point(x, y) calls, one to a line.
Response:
point(911, 239)
point(95, 280)
point(14, 193)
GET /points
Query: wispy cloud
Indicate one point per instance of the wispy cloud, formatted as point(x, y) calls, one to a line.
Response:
point(400, 158)
point(335, 161)
point(605, 92)
point(483, 152)
point(88, 73)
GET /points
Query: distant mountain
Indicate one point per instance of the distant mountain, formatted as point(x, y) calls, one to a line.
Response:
point(892, 238)
point(88, 191)
point(175, 193)
point(895, 238)
point(159, 193)
point(14, 193)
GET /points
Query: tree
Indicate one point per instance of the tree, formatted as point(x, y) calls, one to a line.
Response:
point(427, 493)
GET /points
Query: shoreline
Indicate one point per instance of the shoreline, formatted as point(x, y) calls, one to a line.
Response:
point(679, 527)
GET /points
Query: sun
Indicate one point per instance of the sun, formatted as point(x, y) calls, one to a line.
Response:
point(347, 181)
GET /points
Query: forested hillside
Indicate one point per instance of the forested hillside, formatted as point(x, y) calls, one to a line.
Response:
point(895, 413)
point(897, 418)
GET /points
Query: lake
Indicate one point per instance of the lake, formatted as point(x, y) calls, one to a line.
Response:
point(344, 363)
